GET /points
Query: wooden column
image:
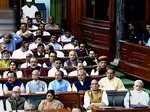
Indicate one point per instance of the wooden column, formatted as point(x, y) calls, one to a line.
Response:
point(111, 10)
point(4, 4)
point(147, 11)
point(75, 11)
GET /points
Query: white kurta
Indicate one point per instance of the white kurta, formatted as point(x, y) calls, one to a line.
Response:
point(136, 98)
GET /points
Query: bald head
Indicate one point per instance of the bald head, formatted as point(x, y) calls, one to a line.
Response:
point(16, 89)
point(35, 74)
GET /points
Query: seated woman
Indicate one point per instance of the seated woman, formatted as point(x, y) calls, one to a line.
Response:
point(94, 97)
point(137, 97)
point(50, 103)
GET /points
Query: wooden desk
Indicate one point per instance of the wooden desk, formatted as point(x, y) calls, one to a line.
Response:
point(135, 60)
point(120, 110)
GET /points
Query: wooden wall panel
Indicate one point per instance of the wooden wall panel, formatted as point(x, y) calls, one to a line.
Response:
point(4, 4)
point(99, 34)
point(75, 12)
point(135, 60)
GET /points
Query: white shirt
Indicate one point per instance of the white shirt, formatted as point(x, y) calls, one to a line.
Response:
point(75, 73)
point(60, 54)
point(136, 98)
point(51, 72)
point(63, 38)
point(29, 11)
point(2, 106)
point(68, 46)
point(18, 73)
point(19, 54)
point(45, 33)
point(25, 65)
point(20, 33)
point(94, 73)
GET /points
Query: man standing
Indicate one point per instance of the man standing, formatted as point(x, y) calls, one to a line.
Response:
point(28, 10)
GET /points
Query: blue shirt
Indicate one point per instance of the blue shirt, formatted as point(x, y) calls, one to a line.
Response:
point(59, 86)
point(11, 46)
point(36, 86)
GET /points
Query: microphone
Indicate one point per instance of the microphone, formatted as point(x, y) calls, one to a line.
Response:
point(129, 98)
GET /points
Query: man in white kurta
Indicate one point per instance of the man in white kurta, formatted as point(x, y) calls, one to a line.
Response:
point(137, 97)
point(29, 10)
point(111, 82)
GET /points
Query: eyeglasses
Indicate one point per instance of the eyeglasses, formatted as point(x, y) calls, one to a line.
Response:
point(49, 95)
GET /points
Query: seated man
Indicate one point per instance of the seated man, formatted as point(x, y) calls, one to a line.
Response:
point(83, 83)
point(101, 66)
point(137, 97)
point(94, 97)
point(75, 72)
point(51, 62)
point(71, 63)
point(82, 51)
point(11, 83)
point(36, 85)
point(111, 82)
point(22, 51)
point(10, 42)
point(41, 28)
point(24, 32)
point(15, 102)
point(54, 43)
point(59, 84)
point(33, 65)
point(51, 25)
point(91, 60)
point(56, 67)
point(66, 38)
point(40, 51)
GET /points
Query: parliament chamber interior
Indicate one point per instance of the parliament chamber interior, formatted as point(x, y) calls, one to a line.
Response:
point(74, 55)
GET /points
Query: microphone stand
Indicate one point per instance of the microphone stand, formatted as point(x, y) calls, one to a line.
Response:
point(129, 98)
